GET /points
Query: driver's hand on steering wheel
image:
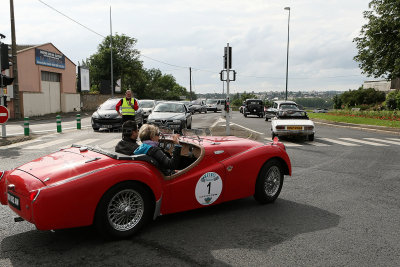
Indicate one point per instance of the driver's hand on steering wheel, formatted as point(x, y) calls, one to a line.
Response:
point(175, 139)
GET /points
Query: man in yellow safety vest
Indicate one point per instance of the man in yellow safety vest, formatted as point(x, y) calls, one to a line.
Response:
point(128, 106)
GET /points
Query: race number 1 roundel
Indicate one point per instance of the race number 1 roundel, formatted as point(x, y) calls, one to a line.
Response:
point(208, 188)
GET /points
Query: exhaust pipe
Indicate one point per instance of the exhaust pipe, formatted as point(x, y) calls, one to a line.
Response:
point(18, 219)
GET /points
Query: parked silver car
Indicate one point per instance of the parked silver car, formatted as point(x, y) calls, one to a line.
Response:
point(147, 105)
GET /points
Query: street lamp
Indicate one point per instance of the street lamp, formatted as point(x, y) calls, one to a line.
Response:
point(287, 52)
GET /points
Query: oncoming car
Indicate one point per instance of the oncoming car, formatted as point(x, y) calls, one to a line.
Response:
point(119, 194)
point(173, 115)
point(292, 123)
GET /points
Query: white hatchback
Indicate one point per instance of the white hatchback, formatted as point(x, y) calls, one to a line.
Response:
point(292, 123)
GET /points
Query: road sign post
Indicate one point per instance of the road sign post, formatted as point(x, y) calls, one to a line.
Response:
point(78, 121)
point(227, 68)
point(4, 115)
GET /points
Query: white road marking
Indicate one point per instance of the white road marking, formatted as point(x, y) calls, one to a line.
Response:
point(110, 144)
point(338, 142)
point(384, 141)
point(44, 145)
point(363, 142)
point(19, 144)
point(86, 141)
point(314, 143)
point(394, 139)
point(246, 128)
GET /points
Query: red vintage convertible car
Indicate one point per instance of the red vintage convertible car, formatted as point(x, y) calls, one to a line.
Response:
point(81, 185)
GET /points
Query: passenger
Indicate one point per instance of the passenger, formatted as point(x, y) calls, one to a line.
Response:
point(150, 135)
point(129, 135)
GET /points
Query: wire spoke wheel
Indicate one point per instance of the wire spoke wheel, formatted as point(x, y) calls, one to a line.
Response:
point(125, 210)
point(269, 182)
point(272, 181)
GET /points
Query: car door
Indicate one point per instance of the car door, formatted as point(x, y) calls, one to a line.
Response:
point(201, 186)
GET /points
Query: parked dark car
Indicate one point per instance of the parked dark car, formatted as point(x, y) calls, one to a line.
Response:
point(174, 115)
point(107, 117)
point(254, 107)
point(199, 106)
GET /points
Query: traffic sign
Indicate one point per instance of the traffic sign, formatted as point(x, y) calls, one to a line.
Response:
point(4, 114)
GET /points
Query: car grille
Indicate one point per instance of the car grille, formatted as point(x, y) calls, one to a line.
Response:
point(107, 121)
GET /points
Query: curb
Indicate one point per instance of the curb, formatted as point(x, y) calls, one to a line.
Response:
point(363, 127)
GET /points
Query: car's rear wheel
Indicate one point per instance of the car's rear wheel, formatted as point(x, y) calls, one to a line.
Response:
point(269, 182)
point(95, 129)
point(123, 210)
point(311, 137)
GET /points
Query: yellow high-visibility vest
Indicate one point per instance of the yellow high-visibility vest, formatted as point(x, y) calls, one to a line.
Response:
point(126, 109)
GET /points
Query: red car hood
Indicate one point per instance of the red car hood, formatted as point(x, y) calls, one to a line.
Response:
point(63, 164)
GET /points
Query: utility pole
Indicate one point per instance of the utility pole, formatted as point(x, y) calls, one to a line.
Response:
point(112, 72)
point(17, 110)
point(190, 78)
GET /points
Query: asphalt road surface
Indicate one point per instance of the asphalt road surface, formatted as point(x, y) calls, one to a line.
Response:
point(341, 207)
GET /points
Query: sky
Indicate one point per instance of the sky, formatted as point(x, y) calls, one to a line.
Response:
point(188, 33)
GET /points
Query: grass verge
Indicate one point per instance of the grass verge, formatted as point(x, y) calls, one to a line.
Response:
point(356, 120)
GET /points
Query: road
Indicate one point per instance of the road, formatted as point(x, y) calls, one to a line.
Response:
point(340, 207)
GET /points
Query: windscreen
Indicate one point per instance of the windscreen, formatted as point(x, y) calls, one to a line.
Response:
point(169, 107)
point(289, 106)
point(146, 104)
point(212, 101)
point(109, 104)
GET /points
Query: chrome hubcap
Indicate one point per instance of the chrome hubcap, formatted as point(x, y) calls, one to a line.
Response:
point(125, 210)
point(273, 181)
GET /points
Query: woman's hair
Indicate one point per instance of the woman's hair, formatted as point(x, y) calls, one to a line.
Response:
point(147, 132)
point(128, 127)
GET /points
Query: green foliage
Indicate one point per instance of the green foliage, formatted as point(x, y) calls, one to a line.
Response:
point(362, 97)
point(314, 102)
point(393, 100)
point(144, 83)
point(379, 41)
point(238, 99)
point(337, 102)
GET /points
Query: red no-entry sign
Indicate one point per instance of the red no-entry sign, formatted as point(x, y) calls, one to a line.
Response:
point(4, 114)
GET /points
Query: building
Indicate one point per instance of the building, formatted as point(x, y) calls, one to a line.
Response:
point(47, 81)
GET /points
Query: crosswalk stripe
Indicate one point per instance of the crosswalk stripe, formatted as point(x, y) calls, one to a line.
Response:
point(363, 142)
point(394, 139)
point(314, 143)
point(384, 141)
point(110, 144)
point(87, 141)
point(286, 143)
point(339, 142)
point(44, 145)
point(19, 144)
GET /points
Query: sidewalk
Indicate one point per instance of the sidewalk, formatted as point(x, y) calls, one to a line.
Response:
point(70, 116)
point(363, 127)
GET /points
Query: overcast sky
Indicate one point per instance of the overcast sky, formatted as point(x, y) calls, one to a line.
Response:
point(189, 33)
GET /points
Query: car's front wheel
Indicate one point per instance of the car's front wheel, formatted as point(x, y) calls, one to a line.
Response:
point(269, 182)
point(123, 210)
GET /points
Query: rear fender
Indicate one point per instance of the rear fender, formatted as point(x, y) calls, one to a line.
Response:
point(3, 191)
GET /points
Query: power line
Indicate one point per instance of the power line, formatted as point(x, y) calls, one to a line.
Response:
point(71, 19)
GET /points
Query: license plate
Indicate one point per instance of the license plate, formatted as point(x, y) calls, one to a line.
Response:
point(106, 126)
point(13, 201)
point(295, 127)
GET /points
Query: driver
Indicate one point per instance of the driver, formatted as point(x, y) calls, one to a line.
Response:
point(149, 136)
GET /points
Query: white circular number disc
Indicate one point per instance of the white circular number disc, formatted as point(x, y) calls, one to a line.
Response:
point(208, 188)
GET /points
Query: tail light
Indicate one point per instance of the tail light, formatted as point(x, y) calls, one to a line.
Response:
point(3, 196)
point(280, 127)
point(308, 127)
point(33, 195)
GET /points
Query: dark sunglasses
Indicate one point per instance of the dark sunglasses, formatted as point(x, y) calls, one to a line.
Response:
point(158, 134)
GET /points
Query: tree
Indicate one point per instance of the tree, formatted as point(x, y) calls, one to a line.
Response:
point(126, 63)
point(378, 43)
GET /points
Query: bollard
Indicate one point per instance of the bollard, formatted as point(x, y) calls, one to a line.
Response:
point(78, 121)
point(59, 124)
point(26, 126)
